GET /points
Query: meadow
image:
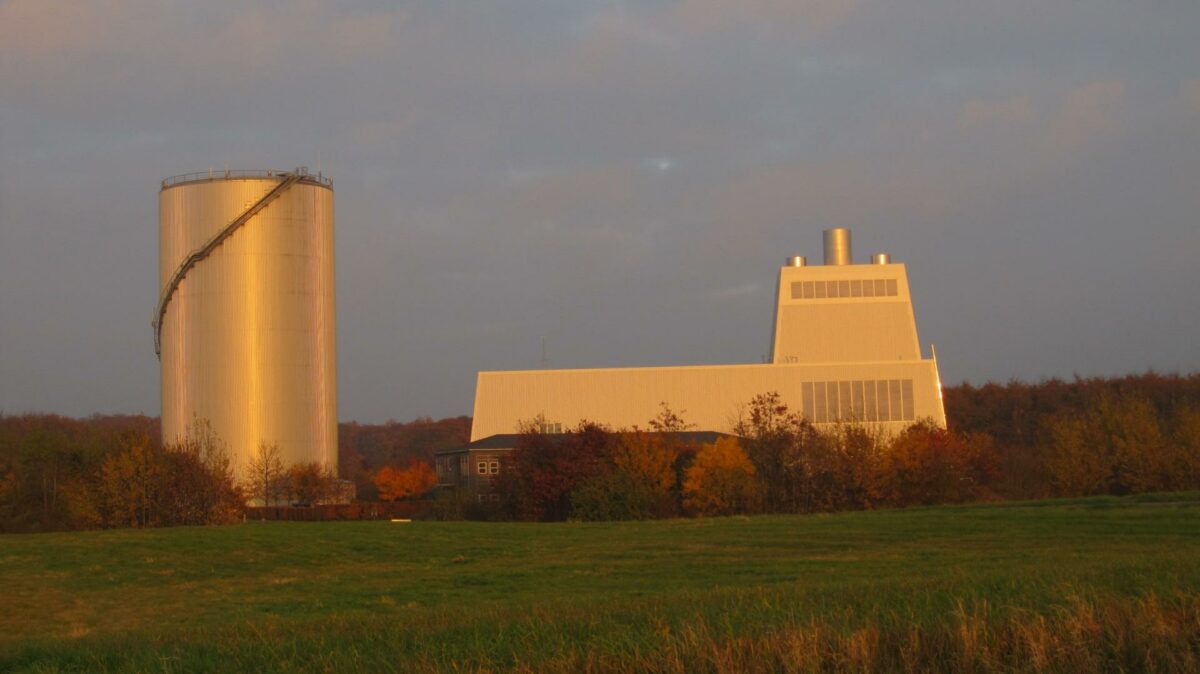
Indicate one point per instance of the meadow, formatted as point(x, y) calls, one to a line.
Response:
point(1104, 583)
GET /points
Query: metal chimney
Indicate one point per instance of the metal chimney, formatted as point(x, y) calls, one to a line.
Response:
point(881, 258)
point(837, 246)
point(796, 261)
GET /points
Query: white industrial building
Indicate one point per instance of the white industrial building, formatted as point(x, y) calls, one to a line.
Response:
point(844, 349)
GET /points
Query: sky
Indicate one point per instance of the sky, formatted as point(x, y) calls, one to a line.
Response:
point(617, 180)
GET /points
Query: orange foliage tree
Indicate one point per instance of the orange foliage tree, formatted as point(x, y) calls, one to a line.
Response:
point(649, 457)
point(721, 480)
point(1118, 446)
point(397, 483)
point(927, 465)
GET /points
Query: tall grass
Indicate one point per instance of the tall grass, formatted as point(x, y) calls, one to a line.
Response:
point(1150, 635)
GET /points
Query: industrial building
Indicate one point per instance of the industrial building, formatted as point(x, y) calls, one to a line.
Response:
point(244, 326)
point(844, 349)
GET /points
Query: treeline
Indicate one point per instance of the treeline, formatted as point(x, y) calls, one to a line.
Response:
point(1084, 436)
point(105, 471)
point(1005, 441)
point(112, 471)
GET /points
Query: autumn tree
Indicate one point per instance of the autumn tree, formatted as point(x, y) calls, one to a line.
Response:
point(836, 469)
point(669, 421)
point(148, 485)
point(721, 480)
point(648, 480)
point(131, 484)
point(201, 487)
point(265, 475)
point(309, 483)
point(770, 431)
point(928, 465)
point(398, 483)
point(544, 470)
point(365, 448)
point(1116, 446)
point(790, 457)
point(1184, 460)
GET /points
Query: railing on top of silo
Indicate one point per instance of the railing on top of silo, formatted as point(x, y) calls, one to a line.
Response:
point(235, 174)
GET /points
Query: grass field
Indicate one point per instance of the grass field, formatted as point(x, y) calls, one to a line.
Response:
point(1109, 583)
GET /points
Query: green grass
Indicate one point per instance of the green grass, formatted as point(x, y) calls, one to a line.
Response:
point(378, 596)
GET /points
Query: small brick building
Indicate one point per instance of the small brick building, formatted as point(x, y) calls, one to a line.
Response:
point(474, 466)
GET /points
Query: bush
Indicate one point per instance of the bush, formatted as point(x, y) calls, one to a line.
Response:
point(616, 496)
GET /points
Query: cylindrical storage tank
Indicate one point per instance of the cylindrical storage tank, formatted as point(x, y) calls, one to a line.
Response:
point(245, 323)
point(881, 258)
point(837, 246)
point(796, 261)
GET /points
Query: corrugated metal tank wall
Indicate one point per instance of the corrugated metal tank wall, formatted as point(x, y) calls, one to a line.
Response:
point(248, 338)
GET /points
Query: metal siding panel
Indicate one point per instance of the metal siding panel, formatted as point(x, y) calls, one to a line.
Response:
point(907, 393)
point(249, 338)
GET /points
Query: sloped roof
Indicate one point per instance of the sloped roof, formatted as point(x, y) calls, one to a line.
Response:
point(509, 440)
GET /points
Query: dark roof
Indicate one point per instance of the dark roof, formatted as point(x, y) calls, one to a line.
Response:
point(509, 440)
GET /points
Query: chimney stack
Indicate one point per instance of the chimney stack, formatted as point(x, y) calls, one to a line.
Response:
point(837, 246)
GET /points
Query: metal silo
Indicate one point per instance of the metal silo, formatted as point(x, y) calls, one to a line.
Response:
point(244, 326)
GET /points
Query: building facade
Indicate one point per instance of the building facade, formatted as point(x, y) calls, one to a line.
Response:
point(844, 350)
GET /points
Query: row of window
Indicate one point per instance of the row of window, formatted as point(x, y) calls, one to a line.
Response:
point(819, 290)
point(867, 400)
point(546, 427)
point(445, 466)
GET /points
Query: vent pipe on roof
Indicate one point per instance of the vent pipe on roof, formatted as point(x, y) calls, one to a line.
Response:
point(837, 246)
point(881, 258)
point(797, 261)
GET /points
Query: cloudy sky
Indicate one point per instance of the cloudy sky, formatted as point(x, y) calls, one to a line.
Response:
point(620, 179)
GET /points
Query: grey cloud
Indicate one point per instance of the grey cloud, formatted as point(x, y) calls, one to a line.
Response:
point(498, 178)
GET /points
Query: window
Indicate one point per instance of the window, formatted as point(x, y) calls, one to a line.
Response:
point(488, 467)
point(546, 427)
point(906, 388)
point(825, 402)
point(820, 290)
